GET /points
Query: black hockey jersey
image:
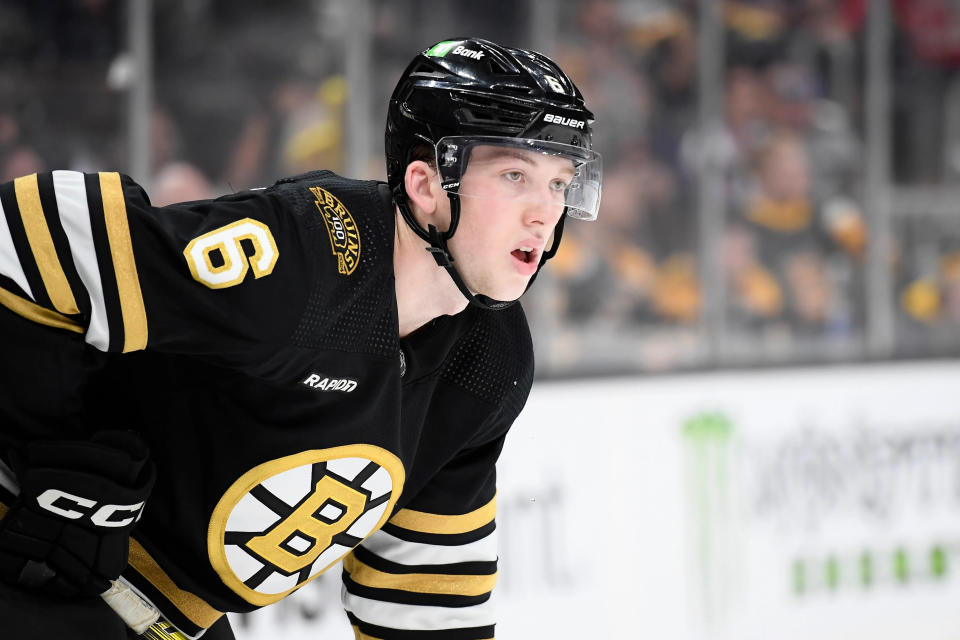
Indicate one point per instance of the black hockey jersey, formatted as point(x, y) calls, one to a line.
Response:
point(252, 341)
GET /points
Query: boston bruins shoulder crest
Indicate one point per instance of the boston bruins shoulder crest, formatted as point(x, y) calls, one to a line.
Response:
point(342, 228)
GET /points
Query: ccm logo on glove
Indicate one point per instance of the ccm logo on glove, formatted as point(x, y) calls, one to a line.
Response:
point(68, 505)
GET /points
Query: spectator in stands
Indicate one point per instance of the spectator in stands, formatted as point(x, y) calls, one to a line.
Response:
point(179, 182)
point(793, 242)
point(21, 161)
point(931, 301)
point(312, 119)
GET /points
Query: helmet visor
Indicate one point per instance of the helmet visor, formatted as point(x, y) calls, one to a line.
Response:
point(522, 170)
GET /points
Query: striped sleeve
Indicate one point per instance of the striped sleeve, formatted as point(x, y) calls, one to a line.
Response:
point(89, 254)
point(67, 260)
point(431, 570)
point(425, 575)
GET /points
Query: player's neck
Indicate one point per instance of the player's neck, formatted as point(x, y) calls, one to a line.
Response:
point(424, 290)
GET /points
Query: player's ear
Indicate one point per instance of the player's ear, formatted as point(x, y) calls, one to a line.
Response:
point(423, 191)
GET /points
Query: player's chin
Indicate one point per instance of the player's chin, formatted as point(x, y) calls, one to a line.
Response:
point(510, 289)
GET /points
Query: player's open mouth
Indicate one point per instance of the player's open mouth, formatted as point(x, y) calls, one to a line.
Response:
point(525, 259)
point(524, 254)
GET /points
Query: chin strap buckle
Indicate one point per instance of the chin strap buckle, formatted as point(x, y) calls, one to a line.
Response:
point(438, 247)
point(443, 258)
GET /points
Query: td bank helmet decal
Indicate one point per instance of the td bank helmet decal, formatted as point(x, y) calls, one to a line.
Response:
point(286, 521)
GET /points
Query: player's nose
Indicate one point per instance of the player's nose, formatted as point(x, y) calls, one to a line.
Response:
point(543, 211)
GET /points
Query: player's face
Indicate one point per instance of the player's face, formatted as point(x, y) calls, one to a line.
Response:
point(516, 199)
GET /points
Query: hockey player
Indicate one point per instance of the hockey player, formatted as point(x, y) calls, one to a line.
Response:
point(221, 399)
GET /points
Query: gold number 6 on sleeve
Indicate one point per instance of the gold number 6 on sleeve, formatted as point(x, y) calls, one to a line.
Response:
point(226, 242)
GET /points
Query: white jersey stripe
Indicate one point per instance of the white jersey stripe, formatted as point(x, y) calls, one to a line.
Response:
point(411, 617)
point(9, 264)
point(8, 480)
point(75, 217)
point(400, 551)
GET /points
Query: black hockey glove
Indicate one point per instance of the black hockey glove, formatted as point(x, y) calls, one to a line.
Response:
point(68, 531)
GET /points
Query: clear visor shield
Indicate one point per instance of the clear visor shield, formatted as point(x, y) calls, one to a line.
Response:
point(522, 170)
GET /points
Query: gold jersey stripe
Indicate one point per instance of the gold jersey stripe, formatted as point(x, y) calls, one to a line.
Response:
point(36, 313)
point(124, 266)
point(360, 635)
point(435, 583)
point(41, 244)
point(3, 510)
point(163, 631)
point(436, 523)
point(193, 607)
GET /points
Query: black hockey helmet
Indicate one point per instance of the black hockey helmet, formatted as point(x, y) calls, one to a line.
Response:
point(472, 89)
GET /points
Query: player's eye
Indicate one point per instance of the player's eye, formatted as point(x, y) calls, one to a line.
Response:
point(513, 176)
point(559, 185)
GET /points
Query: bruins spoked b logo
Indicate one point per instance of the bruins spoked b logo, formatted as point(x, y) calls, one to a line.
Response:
point(286, 521)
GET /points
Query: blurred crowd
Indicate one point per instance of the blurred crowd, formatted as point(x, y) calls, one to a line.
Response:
point(245, 92)
point(233, 104)
point(792, 259)
point(794, 235)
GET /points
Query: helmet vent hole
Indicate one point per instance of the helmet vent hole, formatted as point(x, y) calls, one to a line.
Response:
point(498, 67)
point(480, 110)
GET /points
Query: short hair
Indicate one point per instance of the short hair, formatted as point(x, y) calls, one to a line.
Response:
point(425, 153)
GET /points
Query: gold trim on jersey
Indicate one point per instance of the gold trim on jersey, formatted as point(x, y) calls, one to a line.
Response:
point(272, 548)
point(124, 265)
point(360, 635)
point(435, 583)
point(437, 523)
point(36, 313)
point(193, 607)
point(41, 244)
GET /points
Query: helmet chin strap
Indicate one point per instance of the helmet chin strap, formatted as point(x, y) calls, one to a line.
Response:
point(437, 241)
